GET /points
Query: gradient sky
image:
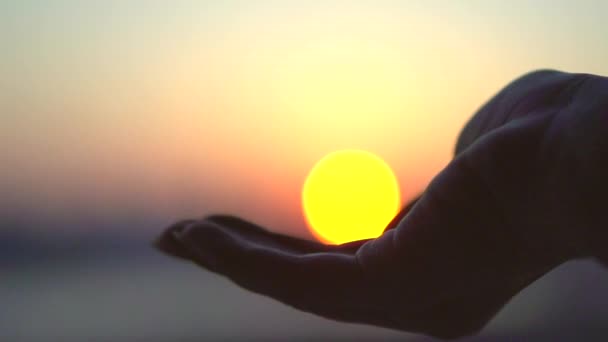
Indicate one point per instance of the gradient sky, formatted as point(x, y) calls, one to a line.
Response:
point(114, 109)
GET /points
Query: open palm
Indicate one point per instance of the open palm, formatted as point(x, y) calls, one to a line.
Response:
point(488, 225)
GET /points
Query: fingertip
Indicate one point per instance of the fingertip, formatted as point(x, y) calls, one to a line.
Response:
point(170, 247)
point(201, 235)
point(202, 241)
point(167, 243)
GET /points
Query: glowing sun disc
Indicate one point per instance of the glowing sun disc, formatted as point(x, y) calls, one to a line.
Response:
point(350, 195)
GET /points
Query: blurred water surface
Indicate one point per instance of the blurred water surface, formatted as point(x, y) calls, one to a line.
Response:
point(143, 295)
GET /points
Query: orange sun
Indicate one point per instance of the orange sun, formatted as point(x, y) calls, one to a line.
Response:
point(350, 195)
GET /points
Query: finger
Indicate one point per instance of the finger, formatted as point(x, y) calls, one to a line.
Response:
point(167, 244)
point(263, 237)
point(328, 284)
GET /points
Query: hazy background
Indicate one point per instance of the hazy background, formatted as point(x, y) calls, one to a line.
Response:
point(119, 117)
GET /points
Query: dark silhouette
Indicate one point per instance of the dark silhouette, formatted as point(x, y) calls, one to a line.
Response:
point(524, 193)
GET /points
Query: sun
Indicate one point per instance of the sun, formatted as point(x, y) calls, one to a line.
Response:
point(350, 195)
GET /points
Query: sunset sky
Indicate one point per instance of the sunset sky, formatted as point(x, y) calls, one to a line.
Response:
point(168, 109)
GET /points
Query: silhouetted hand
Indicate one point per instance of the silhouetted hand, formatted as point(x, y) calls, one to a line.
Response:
point(518, 199)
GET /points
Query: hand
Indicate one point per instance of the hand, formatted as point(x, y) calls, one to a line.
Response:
point(510, 206)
